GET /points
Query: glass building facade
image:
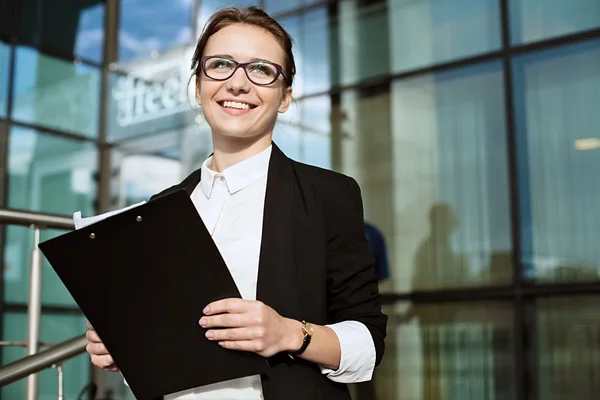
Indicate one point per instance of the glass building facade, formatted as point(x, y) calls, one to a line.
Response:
point(472, 127)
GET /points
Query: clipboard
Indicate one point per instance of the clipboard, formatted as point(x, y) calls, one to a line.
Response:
point(142, 279)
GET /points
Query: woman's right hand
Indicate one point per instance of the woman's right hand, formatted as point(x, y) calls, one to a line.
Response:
point(99, 356)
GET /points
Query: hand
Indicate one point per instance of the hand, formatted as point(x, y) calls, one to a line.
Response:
point(250, 325)
point(97, 351)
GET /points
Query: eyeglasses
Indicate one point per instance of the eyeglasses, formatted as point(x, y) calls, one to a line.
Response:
point(258, 72)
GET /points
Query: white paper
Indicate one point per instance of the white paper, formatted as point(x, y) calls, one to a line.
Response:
point(83, 222)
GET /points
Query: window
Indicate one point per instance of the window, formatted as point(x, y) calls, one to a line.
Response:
point(565, 333)
point(4, 75)
point(532, 20)
point(427, 32)
point(556, 111)
point(56, 94)
point(360, 42)
point(149, 28)
point(449, 351)
point(310, 32)
point(303, 132)
point(209, 7)
point(450, 180)
point(51, 175)
point(274, 7)
point(76, 28)
point(53, 329)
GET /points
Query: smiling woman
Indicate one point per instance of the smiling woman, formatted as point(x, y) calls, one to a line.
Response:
point(292, 235)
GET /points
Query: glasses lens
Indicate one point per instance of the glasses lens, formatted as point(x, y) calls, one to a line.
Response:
point(262, 73)
point(219, 68)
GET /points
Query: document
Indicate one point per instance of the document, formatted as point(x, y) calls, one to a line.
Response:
point(142, 277)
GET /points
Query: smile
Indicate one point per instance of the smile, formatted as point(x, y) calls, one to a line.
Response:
point(236, 105)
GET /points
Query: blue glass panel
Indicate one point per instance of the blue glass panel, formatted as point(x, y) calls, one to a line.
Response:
point(556, 111)
point(429, 32)
point(56, 93)
point(532, 20)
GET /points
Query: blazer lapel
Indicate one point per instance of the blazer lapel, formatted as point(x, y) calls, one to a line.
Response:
point(276, 285)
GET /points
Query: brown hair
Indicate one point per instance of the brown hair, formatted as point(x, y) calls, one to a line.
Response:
point(251, 16)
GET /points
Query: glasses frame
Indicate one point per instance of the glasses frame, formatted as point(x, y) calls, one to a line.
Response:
point(278, 68)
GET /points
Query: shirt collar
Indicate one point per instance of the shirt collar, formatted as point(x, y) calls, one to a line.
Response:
point(238, 176)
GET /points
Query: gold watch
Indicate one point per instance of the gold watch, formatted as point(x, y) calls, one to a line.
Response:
point(307, 331)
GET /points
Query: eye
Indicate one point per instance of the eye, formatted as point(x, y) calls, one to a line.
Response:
point(219, 63)
point(262, 68)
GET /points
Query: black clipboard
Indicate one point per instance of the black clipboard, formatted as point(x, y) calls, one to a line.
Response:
point(142, 279)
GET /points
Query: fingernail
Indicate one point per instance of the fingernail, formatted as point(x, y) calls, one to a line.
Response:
point(203, 322)
point(206, 310)
point(209, 334)
point(221, 343)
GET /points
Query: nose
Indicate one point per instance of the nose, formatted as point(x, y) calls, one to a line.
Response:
point(238, 82)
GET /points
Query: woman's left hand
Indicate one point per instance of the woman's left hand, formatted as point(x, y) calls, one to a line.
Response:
point(250, 325)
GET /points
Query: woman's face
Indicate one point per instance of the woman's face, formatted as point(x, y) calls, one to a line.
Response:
point(236, 107)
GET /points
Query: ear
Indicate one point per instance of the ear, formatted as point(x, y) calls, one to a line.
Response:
point(286, 99)
point(198, 98)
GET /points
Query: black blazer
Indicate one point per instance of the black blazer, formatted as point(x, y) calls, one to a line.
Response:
point(315, 264)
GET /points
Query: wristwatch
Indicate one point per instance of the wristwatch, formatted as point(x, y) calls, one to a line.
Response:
point(307, 331)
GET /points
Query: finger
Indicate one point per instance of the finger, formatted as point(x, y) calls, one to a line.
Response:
point(232, 305)
point(93, 337)
point(87, 323)
point(242, 345)
point(112, 368)
point(97, 349)
point(105, 361)
point(231, 334)
point(225, 321)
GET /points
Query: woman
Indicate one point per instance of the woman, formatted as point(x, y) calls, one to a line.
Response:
point(292, 235)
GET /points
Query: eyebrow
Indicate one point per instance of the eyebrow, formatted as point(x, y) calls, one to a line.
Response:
point(254, 59)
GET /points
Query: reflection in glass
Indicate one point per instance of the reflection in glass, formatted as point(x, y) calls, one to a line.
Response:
point(532, 20)
point(361, 36)
point(310, 32)
point(76, 28)
point(556, 111)
point(566, 333)
point(55, 93)
point(448, 352)
point(317, 137)
point(423, 33)
point(274, 7)
point(288, 132)
point(303, 132)
point(147, 27)
point(209, 7)
point(50, 174)
point(4, 66)
point(54, 328)
point(17, 257)
point(451, 184)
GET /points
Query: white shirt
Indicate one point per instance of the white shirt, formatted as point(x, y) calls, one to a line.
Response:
point(231, 204)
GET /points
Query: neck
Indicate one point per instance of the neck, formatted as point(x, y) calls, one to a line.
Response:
point(230, 151)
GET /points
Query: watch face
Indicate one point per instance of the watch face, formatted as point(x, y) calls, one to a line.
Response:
point(309, 329)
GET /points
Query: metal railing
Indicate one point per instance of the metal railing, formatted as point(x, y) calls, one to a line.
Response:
point(55, 355)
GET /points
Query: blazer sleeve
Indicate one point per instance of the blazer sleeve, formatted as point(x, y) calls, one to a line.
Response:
point(352, 288)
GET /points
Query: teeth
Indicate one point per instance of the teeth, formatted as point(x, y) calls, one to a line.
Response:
point(235, 104)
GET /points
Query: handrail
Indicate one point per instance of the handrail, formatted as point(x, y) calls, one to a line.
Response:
point(35, 361)
point(27, 218)
point(44, 359)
